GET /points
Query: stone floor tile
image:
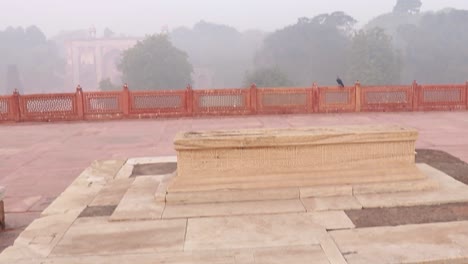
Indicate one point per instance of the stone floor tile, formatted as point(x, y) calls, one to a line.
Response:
point(326, 191)
point(331, 251)
point(20, 204)
point(232, 196)
point(291, 255)
point(138, 202)
point(226, 209)
point(149, 160)
point(112, 193)
point(396, 187)
point(97, 236)
point(426, 243)
point(20, 255)
point(42, 235)
point(331, 220)
point(449, 191)
point(331, 203)
point(125, 172)
point(252, 232)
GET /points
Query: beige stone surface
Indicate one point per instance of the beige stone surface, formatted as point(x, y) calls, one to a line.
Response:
point(20, 254)
point(150, 160)
point(291, 255)
point(393, 187)
point(232, 196)
point(161, 191)
point(286, 136)
point(294, 254)
point(83, 190)
point(144, 259)
point(275, 158)
point(425, 243)
point(237, 208)
point(75, 198)
point(242, 181)
point(138, 203)
point(445, 181)
point(331, 203)
point(449, 191)
point(331, 220)
point(97, 236)
point(252, 232)
point(325, 191)
point(125, 172)
point(99, 172)
point(42, 235)
point(112, 193)
point(332, 251)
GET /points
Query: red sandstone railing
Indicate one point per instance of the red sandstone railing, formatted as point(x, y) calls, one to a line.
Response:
point(218, 102)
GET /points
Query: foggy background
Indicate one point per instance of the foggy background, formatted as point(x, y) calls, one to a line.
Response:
point(53, 45)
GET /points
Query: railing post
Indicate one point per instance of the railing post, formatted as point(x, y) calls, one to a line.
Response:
point(415, 96)
point(466, 94)
point(357, 90)
point(315, 98)
point(16, 107)
point(253, 98)
point(79, 102)
point(126, 100)
point(189, 99)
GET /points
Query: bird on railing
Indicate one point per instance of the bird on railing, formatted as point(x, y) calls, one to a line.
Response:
point(339, 81)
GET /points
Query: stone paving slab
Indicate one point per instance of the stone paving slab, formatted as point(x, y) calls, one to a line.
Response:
point(252, 232)
point(291, 255)
point(449, 191)
point(112, 193)
point(98, 236)
point(426, 243)
point(232, 196)
point(138, 202)
point(331, 203)
point(42, 235)
point(84, 188)
point(237, 208)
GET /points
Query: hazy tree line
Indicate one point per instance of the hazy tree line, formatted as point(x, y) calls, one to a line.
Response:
point(28, 59)
point(393, 48)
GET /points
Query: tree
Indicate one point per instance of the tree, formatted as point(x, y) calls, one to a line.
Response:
point(155, 64)
point(13, 81)
point(222, 49)
point(36, 59)
point(436, 50)
point(312, 50)
point(267, 77)
point(108, 33)
point(407, 6)
point(372, 59)
point(107, 85)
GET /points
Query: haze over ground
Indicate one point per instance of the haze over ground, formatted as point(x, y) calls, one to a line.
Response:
point(140, 17)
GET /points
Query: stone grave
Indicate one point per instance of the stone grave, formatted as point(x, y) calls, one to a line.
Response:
point(261, 164)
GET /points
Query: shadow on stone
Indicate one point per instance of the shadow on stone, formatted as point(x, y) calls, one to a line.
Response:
point(445, 162)
point(96, 211)
point(154, 169)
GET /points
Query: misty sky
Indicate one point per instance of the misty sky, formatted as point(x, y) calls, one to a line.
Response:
point(138, 17)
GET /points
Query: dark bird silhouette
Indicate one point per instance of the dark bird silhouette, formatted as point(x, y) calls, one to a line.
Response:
point(339, 81)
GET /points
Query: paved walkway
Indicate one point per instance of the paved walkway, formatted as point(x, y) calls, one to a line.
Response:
point(39, 160)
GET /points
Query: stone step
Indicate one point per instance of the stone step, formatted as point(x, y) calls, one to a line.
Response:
point(139, 203)
point(296, 179)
